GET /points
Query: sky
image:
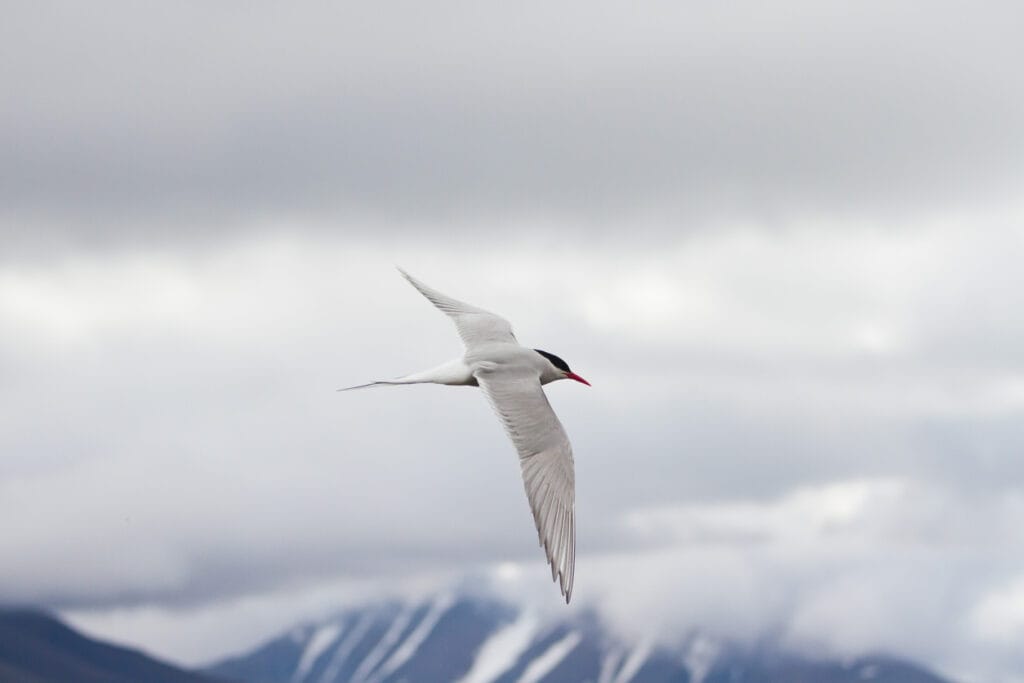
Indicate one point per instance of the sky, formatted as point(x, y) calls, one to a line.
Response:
point(783, 243)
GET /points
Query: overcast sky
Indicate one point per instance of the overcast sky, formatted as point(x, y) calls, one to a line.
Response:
point(784, 244)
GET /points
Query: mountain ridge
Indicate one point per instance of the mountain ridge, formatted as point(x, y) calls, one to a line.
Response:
point(470, 638)
point(37, 647)
point(451, 637)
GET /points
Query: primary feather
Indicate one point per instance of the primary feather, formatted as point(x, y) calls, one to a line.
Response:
point(475, 325)
point(545, 457)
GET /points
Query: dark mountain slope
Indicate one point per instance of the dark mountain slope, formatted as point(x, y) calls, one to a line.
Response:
point(37, 648)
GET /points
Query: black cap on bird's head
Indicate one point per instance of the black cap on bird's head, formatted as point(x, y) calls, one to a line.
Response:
point(563, 366)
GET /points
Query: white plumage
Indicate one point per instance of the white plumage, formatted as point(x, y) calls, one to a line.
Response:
point(511, 376)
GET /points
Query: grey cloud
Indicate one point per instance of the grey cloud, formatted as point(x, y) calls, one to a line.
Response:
point(172, 419)
point(171, 437)
point(131, 114)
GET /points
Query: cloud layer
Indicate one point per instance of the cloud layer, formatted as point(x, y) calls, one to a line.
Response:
point(150, 121)
point(783, 243)
point(177, 441)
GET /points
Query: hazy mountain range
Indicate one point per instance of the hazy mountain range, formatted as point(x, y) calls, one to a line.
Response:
point(472, 639)
point(451, 637)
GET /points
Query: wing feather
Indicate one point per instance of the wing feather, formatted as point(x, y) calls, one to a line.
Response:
point(475, 325)
point(545, 457)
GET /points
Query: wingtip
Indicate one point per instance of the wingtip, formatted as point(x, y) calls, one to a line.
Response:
point(410, 279)
point(565, 585)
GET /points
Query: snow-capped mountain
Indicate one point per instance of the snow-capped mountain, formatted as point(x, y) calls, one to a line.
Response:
point(470, 639)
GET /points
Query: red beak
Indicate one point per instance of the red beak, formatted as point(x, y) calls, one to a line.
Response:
point(573, 375)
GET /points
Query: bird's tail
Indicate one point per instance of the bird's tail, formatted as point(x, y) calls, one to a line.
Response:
point(381, 383)
point(453, 372)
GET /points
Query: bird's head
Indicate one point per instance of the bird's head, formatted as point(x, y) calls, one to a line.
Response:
point(559, 368)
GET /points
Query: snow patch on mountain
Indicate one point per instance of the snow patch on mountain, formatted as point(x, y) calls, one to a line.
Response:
point(636, 659)
point(700, 657)
point(345, 647)
point(412, 643)
point(384, 645)
point(610, 665)
point(317, 644)
point(542, 666)
point(500, 651)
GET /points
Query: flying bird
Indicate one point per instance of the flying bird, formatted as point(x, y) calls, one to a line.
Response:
point(511, 376)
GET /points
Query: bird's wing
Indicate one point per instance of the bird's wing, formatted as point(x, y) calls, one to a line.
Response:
point(475, 325)
point(545, 457)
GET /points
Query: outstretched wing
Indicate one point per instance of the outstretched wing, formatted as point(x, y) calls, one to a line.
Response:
point(545, 457)
point(475, 325)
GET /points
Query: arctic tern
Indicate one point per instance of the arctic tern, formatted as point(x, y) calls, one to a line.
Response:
point(511, 376)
